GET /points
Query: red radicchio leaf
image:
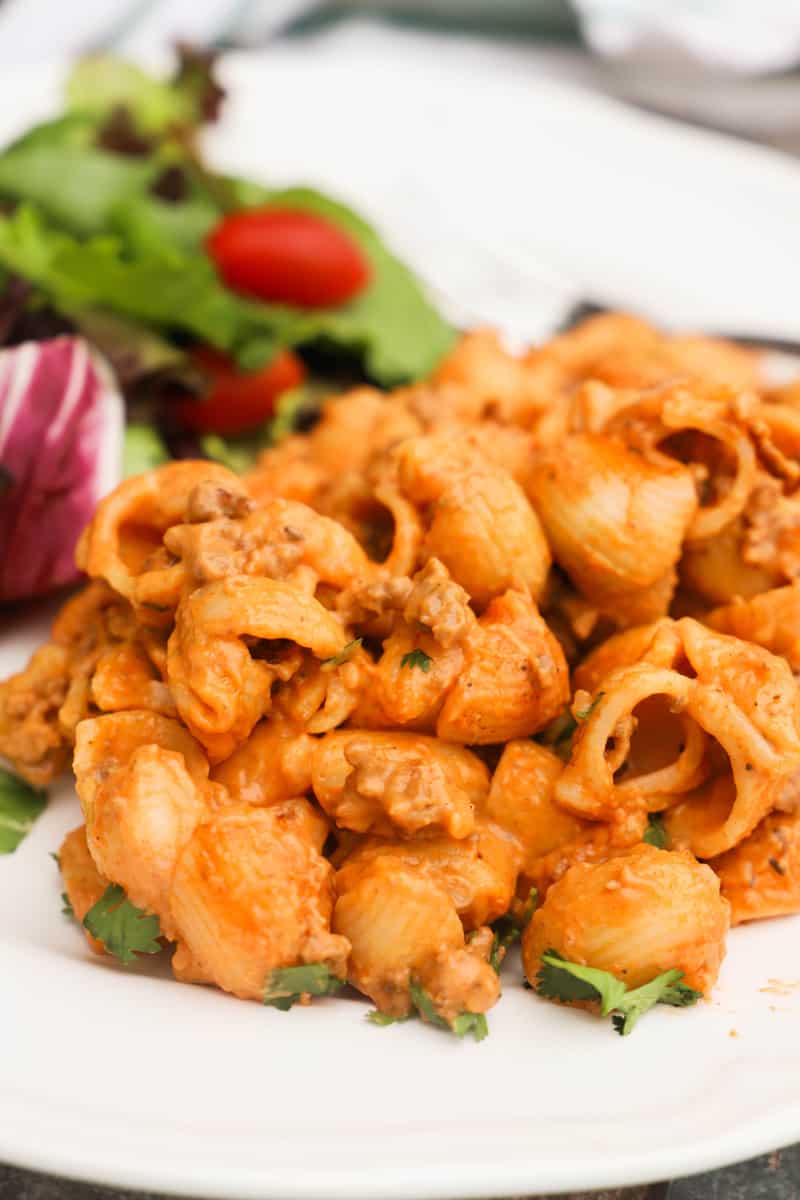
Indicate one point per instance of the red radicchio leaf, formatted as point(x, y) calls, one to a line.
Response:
point(61, 428)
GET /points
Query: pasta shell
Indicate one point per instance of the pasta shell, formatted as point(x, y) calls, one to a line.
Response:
point(615, 519)
point(637, 915)
point(771, 620)
point(395, 920)
point(761, 876)
point(250, 894)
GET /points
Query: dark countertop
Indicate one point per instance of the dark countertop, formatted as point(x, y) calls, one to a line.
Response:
point(772, 1177)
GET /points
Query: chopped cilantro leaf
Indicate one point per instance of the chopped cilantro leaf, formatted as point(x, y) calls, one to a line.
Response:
point(66, 906)
point(124, 929)
point(417, 658)
point(529, 908)
point(509, 928)
point(380, 1018)
point(558, 735)
point(20, 805)
point(343, 656)
point(566, 981)
point(583, 714)
point(465, 1023)
point(425, 1006)
point(639, 1001)
point(656, 833)
point(569, 982)
point(469, 1022)
point(679, 995)
point(283, 1003)
point(285, 985)
point(506, 932)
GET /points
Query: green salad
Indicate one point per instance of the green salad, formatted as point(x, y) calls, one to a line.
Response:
point(210, 296)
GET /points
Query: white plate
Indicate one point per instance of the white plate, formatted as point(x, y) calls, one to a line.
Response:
point(124, 1077)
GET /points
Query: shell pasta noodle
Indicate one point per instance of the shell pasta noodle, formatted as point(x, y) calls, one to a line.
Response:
point(522, 638)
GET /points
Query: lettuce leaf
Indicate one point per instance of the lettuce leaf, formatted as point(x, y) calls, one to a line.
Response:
point(138, 355)
point(75, 186)
point(101, 83)
point(391, 327)
point(95, 228)
point(142, 449)
point(148, 225)
point(179, 292)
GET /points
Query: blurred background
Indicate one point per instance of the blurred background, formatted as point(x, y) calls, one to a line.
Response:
point(727, 64)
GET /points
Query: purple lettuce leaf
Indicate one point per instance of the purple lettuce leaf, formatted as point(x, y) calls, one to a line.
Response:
point(61, 426)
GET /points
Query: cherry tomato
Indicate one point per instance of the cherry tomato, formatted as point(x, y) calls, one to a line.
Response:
point(287, 256)
point(237, 400)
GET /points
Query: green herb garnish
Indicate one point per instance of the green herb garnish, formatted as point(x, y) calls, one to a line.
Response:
point(380, 1018)
point(343, 656)
point(285, 985)
point(465, 1023)
point(462, 1025)
point(656, 832)
point(568, 982)
point(20, 805)
point(558, 735)
point(583, 714)
point(509, 928)
point(417, 658)
point(124, 929)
